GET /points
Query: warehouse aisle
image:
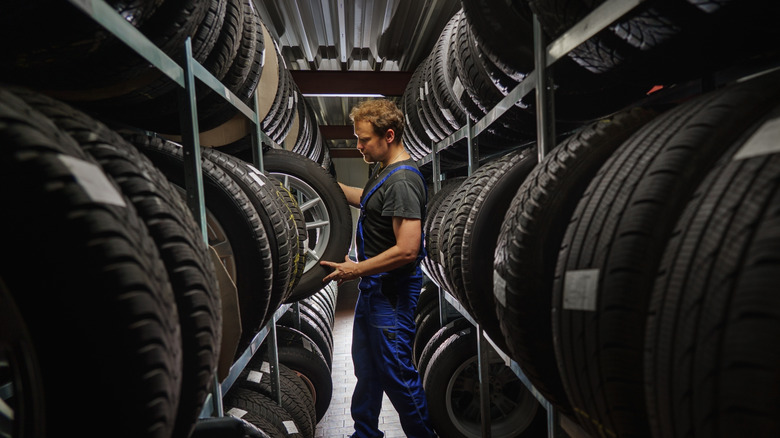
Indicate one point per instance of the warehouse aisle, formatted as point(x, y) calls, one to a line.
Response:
point(337, 422)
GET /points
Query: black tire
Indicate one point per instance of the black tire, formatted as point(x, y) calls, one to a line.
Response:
point(442, 82)
point(457, 325)
point(701, 36)
point(453, 393)
point(294, 395)
point(432, 224)
point(429, 324)
point(53, 38)
point(614, 242)
point(709, 358)
point(475, 229)
point(302, 355)
point(111, 283)
point(235, 230)
point(313, 327)
point(329, 222)
point(253, 402)
point(20, 373)
point(231, 426)
point(323, 306)
point(263, 196)
point(436, 238)
point(241, 78)
point(429, 296)
point(178, 240)
point(529, 239)
point(298, 235)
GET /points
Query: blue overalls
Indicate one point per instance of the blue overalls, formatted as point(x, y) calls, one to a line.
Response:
point(382, 340)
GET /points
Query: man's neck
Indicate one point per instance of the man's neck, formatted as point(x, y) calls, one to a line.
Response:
point(394, 155)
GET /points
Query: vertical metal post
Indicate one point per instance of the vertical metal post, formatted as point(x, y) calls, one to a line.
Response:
point(545, 110)
point(257, 138)
point(436, 164)
point(276, 393)
point(296, 309)
point(545, 136)
point(473, 148)
point(484, 379)
point(484, 382)
point(216, 397)
point(188, 117)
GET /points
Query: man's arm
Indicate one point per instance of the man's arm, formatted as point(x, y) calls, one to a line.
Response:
point(353, 194)
point(408, 233)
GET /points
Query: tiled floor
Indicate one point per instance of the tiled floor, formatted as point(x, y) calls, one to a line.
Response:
point(337, 422)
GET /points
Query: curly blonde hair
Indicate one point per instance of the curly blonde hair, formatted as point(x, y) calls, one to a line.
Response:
point(383, 115)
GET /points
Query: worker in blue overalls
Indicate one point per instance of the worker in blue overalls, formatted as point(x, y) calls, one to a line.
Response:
point(389, 243)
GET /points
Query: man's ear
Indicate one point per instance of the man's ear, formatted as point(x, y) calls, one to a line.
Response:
point(390, 136)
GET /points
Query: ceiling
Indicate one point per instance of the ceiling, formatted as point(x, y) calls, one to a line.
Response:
point(351, 47)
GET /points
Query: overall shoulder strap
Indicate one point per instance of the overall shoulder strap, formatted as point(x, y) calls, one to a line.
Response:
point(382, 181)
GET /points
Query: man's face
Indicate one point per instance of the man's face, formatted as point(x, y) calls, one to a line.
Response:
point(373, 146)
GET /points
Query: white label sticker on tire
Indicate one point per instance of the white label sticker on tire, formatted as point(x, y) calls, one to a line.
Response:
point(763, 142)
point(237, 413)
point(306, 344)
point(94, 181)
point(256, 177)
point(499, 288)
point(580, 288)
point(265, 367)
point(448, 114)
point(290, 426)
point(254, 376)
point(457, 88)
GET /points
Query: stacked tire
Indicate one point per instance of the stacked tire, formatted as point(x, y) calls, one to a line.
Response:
point(102, 76)
point(472, 67)
point(448, 365)
point(135, 290)
point(647, 267)
point(116, 220)
point(305, 385)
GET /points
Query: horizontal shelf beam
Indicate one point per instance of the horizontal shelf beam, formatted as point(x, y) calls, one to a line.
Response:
point(386, 83)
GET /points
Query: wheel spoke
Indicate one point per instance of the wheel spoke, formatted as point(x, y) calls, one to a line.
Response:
point(316, 224)
point(310, 204)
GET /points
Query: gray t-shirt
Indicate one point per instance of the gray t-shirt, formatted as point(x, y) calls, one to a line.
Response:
point(401, 195)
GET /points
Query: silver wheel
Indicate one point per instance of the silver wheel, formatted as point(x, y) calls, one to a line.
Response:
point(512, 406)
point(318, 225)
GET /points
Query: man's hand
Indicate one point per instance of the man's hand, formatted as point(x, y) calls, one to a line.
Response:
point(341, 271)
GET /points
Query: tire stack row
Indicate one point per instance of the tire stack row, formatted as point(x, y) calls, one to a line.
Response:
point(486, 50)
point(305, 385)
point(446, 358)
point(113, 217)
point(110, 276)
point(633, 272)
point(102, 76)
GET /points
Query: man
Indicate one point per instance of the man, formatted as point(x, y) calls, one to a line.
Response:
point(389, 245)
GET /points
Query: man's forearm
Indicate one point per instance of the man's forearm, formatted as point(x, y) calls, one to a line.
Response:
point(392, 258)
point(352, 194)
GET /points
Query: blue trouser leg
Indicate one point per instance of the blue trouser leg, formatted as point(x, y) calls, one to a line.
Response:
point(367, 397)
point(386, 346)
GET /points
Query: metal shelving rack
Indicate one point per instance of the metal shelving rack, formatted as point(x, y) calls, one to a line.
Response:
point(545, 55)
point(184, 76)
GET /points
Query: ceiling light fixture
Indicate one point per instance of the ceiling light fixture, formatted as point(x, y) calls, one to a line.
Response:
point(342, 95)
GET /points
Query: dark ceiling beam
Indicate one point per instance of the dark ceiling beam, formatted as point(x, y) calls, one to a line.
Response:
point(337, 132)
point(344, 153)
point(387, 83)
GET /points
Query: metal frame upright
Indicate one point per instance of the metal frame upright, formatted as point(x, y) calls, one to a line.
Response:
point(184, 76)
point(540, 79)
